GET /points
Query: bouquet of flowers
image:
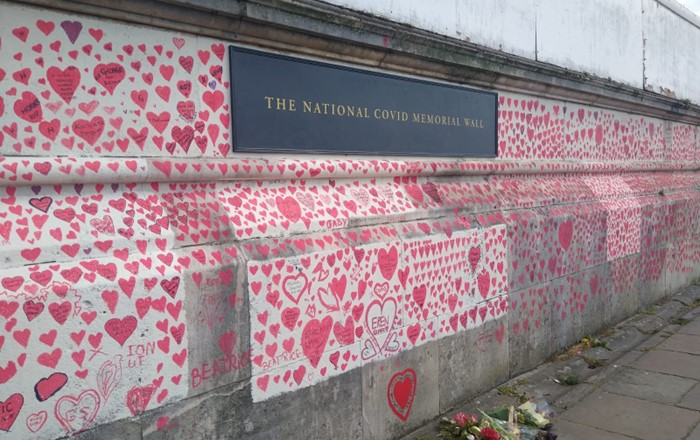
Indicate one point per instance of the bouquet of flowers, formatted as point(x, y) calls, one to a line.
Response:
point(523, 423)
point(468, 427)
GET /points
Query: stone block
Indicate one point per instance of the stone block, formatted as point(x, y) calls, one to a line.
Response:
point(472, 362)
point(651, 275)
point(524, 247)
point(561, 242)
point(331, 409)
point(596, 299)
point(128, 429)
point(652, 216)
point(317, 315)
point(218, 327)
point(678, 271)
point(530, 332)
point(567, 310)
point(625, 338)
point(623, 221)
point(693, 256)
point(400, 394)
point(591, 234)
point(623, 299)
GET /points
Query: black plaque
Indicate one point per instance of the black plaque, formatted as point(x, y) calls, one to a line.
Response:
point(285, 104)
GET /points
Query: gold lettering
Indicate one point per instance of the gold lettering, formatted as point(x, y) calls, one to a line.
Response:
point(281, 104)
point(292, 105)
point(307, 106)
point(416, 118)
point(269, 102)
point(376, 113)
point(473, 123)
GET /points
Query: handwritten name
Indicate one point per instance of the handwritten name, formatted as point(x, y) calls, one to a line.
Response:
point(219, 367)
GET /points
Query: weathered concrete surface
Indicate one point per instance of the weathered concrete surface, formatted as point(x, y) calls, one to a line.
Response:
point(692, 399)
point(670, 362)
point(125, 429)
point(219, 334)
point(623, 299)
point(228, 412)
point(471, 362)
point(695, 435)
point(400, 394)
point(647, 385)
point(530, 336)
point(691, 329)
point(575, 431)
point(626, 415)
point(682, 343)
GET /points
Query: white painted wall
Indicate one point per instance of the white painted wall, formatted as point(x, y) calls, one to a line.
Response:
point(605, 40)
point(602, 37)
point(672, 48)
point(507, 25)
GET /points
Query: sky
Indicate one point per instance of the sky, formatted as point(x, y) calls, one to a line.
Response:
point(693, 5)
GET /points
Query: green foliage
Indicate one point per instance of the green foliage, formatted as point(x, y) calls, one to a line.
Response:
point(594, 362)
point(569, 379)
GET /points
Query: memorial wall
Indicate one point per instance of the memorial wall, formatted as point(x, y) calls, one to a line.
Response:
point(337, 234)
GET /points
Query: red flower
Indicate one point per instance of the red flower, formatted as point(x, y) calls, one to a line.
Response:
point(490, 434)
point(461, 419)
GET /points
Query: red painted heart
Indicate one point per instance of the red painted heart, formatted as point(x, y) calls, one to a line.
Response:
point(121, 329)
point(49, 386)
point(10, 409)
point(401, 392)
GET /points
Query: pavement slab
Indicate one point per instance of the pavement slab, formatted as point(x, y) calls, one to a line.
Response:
point(692, 399)
point(682, 342)
point(574, 431)
point(670, 362)
point(693, 328)
point(695, 435)
point(648, 385)
point(632, 417)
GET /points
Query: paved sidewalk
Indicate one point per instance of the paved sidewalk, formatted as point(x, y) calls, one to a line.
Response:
point(648, 388)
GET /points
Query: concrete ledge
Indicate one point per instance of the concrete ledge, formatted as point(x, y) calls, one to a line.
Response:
point(22, 170)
